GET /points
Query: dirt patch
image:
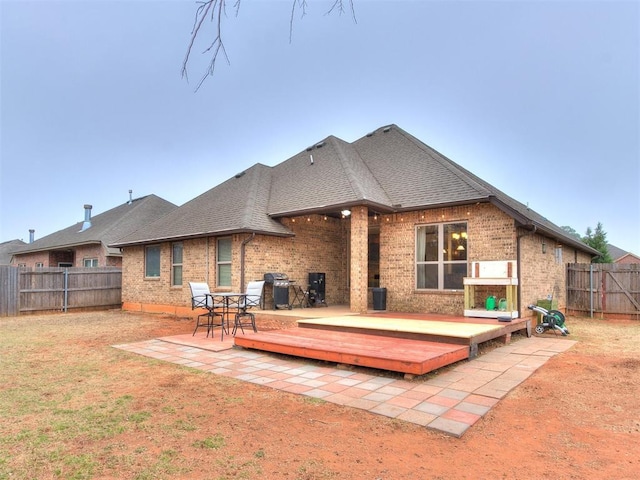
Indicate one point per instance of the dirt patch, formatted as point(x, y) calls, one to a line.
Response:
point(74, 407)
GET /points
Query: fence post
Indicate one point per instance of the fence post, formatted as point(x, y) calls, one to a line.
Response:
point(591, 290)
point(66, 290)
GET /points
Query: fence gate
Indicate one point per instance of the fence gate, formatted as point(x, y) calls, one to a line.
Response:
point(604, 288)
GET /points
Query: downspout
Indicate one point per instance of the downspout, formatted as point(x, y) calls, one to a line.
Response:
point(242, 254)
point(518, 259)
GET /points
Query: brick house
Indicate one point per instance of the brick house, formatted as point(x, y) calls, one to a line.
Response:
point(619, 255)
point(85, 244)
point(384, 211)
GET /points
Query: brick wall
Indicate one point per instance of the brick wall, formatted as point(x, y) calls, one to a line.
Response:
point(541, 272)
point(323, 244)
point(491, 236)
point(319, 246)
point(74, 256)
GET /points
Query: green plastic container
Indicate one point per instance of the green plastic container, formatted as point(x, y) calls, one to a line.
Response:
point(502, 305)
point(490, 304)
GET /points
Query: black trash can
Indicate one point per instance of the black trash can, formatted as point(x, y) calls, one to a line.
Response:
point(379, 298)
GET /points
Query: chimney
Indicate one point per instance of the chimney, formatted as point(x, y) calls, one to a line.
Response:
point(130, 197)
point(31, 233)
point(87, 218)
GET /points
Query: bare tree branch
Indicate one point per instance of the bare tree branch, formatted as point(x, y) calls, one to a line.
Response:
point(214, 10)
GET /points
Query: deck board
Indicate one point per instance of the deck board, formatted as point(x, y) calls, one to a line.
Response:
point(421, 327)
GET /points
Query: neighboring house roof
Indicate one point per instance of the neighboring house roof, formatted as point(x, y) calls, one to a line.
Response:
point(106, 227)
point(6, 248)
point(387, 170)
point(618, 254)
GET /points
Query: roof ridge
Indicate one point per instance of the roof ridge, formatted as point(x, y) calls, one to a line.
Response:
point(355, 180)
point(251, 201)
point(346, 165)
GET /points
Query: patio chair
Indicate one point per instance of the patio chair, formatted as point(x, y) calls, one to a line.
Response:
point(201, 297)
point(252, 298)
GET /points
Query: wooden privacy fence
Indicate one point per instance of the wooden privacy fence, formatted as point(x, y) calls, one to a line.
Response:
point(25, 290)
point(604, 289)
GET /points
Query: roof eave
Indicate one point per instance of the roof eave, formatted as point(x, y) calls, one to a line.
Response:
point(57, 247)
point(193, 236)
point(324, 209)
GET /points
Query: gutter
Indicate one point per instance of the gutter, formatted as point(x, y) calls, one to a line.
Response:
point(242, 256)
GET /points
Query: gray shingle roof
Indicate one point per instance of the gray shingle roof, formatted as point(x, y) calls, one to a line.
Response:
point(387, 170)
point(106, 227)
point(7, 248)
point(237, 205)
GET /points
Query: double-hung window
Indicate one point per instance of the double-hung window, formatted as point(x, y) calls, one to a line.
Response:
point(441, 256)
point(152, 261)
point(176, 264)
point(223, 262)
point(90, 262)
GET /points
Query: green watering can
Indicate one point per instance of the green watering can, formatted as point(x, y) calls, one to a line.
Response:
point(490, 304)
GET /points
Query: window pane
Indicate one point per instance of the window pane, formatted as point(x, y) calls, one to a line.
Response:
point(224, 250)
point(152, 262)
point(177, 254)
point(453, 275)
point(224, 275)
point(176, 260)
point(427, 243)
point(455, 241)
point(90, 262)
point(427, 276)
point(177, 275)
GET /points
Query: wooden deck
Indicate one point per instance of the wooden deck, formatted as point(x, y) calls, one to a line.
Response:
point(414, 345)
point(399, 355)
point(461, 331)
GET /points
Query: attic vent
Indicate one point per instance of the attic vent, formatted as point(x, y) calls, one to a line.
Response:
point(309, 149)
point(386, 129)
point(238, 175)
point(87, 218)
point(320, 145)
point(370, 134)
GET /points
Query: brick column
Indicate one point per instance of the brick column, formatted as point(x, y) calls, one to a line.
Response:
point(359, 259)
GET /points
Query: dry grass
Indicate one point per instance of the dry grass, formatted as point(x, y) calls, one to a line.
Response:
point(73, 407)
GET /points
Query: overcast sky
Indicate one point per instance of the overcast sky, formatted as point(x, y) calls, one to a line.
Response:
point(540, 98)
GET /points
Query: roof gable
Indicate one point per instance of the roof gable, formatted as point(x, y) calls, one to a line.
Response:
point(330, 173)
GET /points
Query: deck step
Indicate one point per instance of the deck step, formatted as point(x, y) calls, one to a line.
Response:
point(404, 355)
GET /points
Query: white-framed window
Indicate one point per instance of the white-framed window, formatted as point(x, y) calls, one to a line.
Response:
point(176, 263)
point(39, 265)
point(65, 264)
point(152, 261)
point(441, 256)
point(223, 262)
point(90, 262)
point(558, 254)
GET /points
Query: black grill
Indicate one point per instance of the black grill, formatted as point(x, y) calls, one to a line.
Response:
point(279, 283)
